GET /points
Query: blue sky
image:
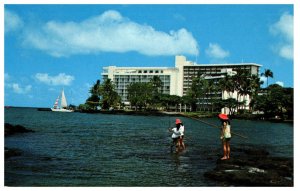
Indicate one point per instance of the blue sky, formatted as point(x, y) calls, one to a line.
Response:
point(50, 47)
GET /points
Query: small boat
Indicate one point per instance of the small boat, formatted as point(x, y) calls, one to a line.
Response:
point(63, 104)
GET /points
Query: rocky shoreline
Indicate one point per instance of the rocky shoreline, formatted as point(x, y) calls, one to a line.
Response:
point(14, 129)
point(253, 117)
point(252, 167)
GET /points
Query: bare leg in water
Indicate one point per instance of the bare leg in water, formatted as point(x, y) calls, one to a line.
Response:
point(176, 144)
point(181, 143)
point(226, 150)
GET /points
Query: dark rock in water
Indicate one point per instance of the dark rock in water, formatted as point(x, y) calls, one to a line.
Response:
point(11, 152)
point(13, 129)
point(254, 168)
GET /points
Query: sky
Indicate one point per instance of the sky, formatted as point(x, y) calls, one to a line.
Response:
point(52, 47)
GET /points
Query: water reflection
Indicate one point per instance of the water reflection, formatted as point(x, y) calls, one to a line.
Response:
point(181, 161)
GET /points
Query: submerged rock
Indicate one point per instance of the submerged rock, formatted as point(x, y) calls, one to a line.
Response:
point(253, 168)
point(13, 129)
point(12, 152)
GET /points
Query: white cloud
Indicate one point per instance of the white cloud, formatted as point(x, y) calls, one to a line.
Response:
point(286, 51)
point(108, 32)
point(284, 29)
point(280, 83)
point(60, 79)
point(18, 89)
point(215, 51)
point(12, 21)
point(263, 78)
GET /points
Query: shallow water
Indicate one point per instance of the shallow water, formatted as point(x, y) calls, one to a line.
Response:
point(77, 149)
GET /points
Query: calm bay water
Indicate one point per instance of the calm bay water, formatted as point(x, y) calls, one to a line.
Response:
point(77, 149)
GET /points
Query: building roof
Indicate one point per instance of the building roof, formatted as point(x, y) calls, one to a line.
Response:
point(226, 64)
point(140, 68)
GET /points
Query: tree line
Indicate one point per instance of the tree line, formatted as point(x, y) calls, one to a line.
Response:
point(203, 95)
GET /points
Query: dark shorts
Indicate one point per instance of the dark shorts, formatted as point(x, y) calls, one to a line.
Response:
point(175, 139)
point(226, 139)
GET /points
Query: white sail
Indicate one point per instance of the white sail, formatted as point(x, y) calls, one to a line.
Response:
point(63, 102)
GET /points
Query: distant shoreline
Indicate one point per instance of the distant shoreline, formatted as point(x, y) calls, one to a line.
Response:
point(165, 113)
point(186, 114)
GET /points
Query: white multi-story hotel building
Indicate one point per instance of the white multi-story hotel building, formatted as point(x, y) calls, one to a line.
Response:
point(177, 80)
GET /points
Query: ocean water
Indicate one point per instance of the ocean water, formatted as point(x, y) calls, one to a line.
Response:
point(79, 149)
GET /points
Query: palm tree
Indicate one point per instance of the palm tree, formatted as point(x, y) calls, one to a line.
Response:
point(197, 91)
point(95, 89)
point(93, 100)
point(268, 73)
point(239, 83)
point(157, 83)
point(255, 84)
point(109, 97)
point(140, 94)
point(210, 93)
point(245, 89)
point(226, 84)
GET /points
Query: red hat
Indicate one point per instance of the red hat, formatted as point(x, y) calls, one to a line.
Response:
point(223, 116)
point(177, 121)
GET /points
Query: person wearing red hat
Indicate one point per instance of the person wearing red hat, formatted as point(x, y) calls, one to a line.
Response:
point(179, 124)
point(225, 136)
point(223, 116)
point(178, 135)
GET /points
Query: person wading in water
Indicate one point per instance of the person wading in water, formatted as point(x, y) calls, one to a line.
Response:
point(178, 135)
point(225, 136)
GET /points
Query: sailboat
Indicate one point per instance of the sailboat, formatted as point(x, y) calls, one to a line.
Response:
point(63, 104)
